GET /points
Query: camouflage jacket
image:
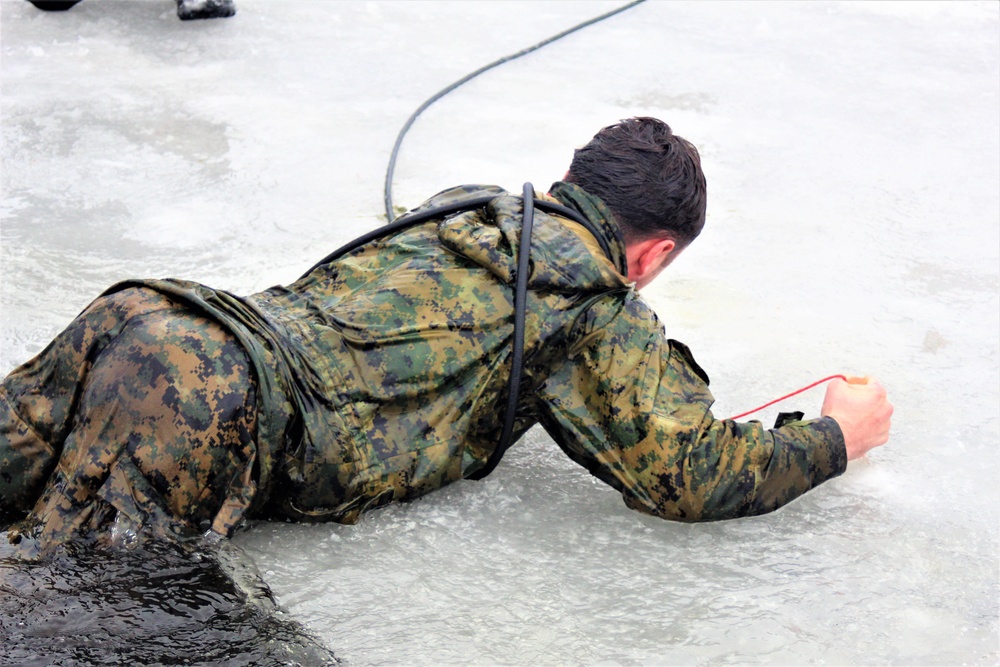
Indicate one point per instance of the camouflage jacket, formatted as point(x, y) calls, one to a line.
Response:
point(384, 374)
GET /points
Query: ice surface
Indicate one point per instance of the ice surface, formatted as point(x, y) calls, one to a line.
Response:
point(853, 157)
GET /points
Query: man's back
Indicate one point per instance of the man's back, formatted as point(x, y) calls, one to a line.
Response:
point(401, 350)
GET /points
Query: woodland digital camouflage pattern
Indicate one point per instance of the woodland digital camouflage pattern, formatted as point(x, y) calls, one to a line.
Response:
point(139, 407)
point(382, 376)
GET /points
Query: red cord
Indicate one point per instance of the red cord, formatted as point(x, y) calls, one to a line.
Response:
point(797, 391)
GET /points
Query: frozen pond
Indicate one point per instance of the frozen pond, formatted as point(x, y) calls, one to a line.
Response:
point(853, 158)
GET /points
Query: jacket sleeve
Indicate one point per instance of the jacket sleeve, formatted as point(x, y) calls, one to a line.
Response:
point(634, 409)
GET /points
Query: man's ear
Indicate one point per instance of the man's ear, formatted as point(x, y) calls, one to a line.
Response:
point(656, 256)
point(648, 257)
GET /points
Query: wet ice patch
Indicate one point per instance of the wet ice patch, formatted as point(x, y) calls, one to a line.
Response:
point(185, 224)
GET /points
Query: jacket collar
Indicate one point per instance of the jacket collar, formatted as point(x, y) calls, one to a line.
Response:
point(598, 213)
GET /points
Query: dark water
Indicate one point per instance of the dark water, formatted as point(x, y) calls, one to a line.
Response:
point(156, 604)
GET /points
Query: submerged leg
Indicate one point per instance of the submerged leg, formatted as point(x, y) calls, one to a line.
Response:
point(164, 434)
point(38, 399)
point(25, 463)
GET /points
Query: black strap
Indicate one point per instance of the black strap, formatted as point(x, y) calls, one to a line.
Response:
point(401, 223)
point(410, 219)
point(517, 354)
point(520, 285)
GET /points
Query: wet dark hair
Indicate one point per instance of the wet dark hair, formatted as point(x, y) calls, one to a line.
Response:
point(650, 178)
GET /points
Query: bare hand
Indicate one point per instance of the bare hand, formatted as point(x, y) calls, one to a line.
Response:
point(862, 411)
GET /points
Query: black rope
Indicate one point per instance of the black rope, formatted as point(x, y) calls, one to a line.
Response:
point(389, 215)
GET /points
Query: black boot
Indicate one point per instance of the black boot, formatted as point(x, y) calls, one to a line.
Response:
point(204, 9)
point(53, 5)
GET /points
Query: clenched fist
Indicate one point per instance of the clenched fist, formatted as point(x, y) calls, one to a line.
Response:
point(862, 411)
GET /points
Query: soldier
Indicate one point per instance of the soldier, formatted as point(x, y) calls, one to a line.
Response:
point(385, 372)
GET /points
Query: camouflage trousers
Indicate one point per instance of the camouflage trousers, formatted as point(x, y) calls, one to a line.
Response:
point(140, 412)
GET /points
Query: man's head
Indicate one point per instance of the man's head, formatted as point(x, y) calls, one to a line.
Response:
point(652, 181)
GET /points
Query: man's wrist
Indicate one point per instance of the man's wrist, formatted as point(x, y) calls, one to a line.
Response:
point(833, 458)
